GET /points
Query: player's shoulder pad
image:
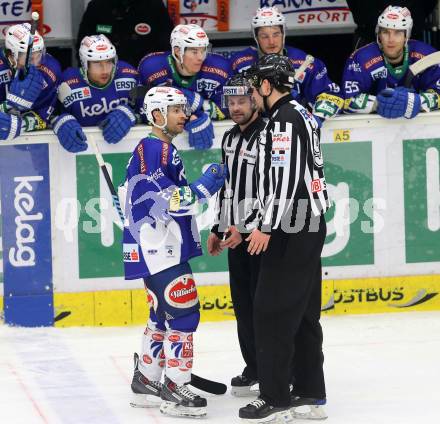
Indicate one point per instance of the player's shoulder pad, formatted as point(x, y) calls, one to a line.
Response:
point(3, 61)
point(294, 53)
point(215, 59)
point(72, 76)
point(367, 53)
point(216, 64)
point(245, 55)
point(153, 60)
point(154, 151)
point(51, 69)
point(419, 49)
point(126, 69)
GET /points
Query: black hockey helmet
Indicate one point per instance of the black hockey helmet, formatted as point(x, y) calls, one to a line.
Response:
point(237, 85)
point(277, 69)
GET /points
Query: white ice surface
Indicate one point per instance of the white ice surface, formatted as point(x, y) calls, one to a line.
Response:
point(380, 369)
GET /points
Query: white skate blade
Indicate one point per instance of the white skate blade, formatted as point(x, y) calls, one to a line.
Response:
point(282, 417)
point(139, 400)
point(245, 391)
point(175, 410)
point(308, 412)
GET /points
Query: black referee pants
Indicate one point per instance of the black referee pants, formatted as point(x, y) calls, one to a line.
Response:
point(243, 277)
point(287, 309)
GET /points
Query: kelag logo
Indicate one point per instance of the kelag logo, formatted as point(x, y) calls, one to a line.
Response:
point(23, 254)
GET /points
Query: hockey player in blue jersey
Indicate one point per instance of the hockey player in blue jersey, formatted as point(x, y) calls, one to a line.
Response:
point(199, 74)
point(160, 237)
point(95, 94)
point(27, 101)
point(374, 75)
point(313, 86)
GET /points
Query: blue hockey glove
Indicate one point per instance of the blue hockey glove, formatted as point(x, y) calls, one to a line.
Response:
point(10, 126)
point(210, 181)
point(200, 132)
point(117, 124)
point(195, 100)
point(70, 133)
point(397, 103)
point(23, 93)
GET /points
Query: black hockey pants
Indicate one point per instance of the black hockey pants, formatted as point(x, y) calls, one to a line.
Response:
point(243, 276)
point(287, 309)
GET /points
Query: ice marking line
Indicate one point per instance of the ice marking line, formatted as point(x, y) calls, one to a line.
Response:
point(65, 384)
point(121, 372)
point(27, 392)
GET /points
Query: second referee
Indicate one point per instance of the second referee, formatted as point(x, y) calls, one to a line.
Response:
point(235, 202)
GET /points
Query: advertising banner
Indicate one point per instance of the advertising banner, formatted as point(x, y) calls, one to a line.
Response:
point(382, 251)
point(26, 234)
point(300, 14)
point(55, 17)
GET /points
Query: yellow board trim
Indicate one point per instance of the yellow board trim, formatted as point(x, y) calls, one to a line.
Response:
point(339, 297)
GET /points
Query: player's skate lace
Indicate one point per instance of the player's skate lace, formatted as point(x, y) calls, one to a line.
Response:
point(184, 391)
point(258, 403)
point(156, 384)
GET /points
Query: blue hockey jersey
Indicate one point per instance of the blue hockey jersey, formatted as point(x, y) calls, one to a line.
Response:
point(367, 73)
point(150, 246)
point(313, 86)
point(45, 103)
point(90, 104)
point(159, 69)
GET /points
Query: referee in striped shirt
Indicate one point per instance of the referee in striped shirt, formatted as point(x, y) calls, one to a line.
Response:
point(235, 202)
point(289, 236)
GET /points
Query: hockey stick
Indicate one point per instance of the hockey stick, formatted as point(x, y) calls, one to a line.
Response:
point(196, 381)
point(299, 73)
point(137, 93)
point(206, 385)
point(420, 66)
point(108, 179)
point(34, 24)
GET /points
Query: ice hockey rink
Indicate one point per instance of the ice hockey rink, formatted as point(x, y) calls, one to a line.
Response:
point(380, 369)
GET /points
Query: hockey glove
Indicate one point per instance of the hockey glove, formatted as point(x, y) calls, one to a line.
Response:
point(10, 126)
point(397, 103)
point(327, 105)
point(23, 93)
point(117, 124)
point(70, 133)
point(362, 103)
point(200, 132)
point(195, 100)
point(210, 182)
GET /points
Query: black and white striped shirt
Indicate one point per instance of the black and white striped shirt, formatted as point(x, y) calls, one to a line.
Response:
point(290, 173)
point(238, 196)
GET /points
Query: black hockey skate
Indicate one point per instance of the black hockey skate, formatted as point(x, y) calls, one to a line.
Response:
point(241, 386)
point(259, 411)
point(307, 408)
point(180, 401)
point(146, 393)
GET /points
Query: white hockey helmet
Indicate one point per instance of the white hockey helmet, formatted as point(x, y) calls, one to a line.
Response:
point(266, 17)
point(159, 98)
point(95, 48)
point(17, 39)
point(184, 36)
point(395, 17)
